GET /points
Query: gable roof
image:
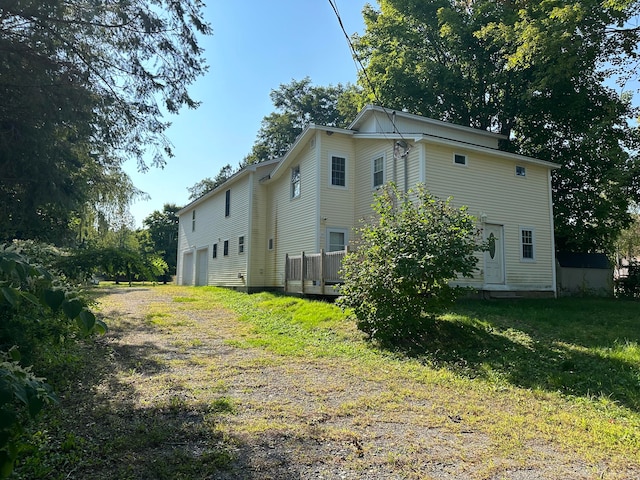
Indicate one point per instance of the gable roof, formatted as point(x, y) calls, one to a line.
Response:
point(224, 186)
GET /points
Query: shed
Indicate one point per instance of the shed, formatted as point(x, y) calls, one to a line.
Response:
point(584, 274)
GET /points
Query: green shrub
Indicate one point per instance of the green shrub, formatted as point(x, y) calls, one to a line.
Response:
point(399, 275)
point(39, 313)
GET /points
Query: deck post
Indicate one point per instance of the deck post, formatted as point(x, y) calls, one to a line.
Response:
point(286, 272)
point(322, 259)
point(303, 269)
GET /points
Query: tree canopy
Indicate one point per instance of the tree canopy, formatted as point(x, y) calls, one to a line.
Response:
point(298, 104)
point(83, 86)
point(534, 71)
point(163, 230)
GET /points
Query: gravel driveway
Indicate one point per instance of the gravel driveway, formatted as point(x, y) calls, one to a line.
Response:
point(221, 410)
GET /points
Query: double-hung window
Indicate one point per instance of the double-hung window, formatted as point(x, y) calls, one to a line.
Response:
point(215, 251)
point(193, 221)
point(295, 182)
point(338, 171)
point(241, 244)
point(378, 172)
point(225, 248)
point(527, 244)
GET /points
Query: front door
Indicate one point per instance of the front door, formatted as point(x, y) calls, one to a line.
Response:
point(494, 256)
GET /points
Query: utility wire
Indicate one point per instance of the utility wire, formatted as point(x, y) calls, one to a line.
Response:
point(357, 61)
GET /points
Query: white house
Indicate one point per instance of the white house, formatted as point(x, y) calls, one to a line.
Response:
point(240, 234)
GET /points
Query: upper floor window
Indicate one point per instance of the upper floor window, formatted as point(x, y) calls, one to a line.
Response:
point(241, 244)
point(225, 248)
point(378, 171)
point(227, 203)
point(459, 159)
point(521, 171)
point(295, 182)
point(527, 244)
point(338, 171)
point(193, 221)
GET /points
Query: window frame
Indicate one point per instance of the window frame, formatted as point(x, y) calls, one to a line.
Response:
point(227, 203)
point(383, 171)
point(241, 245)
point(214, 250)
point(270, 244)
point(193, 221)
point(225, 248)
point(296, 194)
point(521, 173)
point(346, 162)
point(531, 244)
point(463, 156)
point(331, 230)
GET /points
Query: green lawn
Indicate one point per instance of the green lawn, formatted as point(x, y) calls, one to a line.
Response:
point(521, 373)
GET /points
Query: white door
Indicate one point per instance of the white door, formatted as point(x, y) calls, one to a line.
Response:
point(187, 268)
point(494, 256)
point(202, 266)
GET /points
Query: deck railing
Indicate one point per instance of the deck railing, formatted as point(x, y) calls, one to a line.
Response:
point(314, 274)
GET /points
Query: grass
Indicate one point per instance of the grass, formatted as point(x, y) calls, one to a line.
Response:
point(530, 378)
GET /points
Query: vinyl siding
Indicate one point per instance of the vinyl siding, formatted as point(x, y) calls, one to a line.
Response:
point(213, 227)
point(292, 222)
point(336, 203)
point(489, 186)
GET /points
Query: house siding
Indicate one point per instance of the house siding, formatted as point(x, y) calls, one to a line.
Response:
point(488, 186)
point(292, 221)
point(336, 203)
point(213, 227)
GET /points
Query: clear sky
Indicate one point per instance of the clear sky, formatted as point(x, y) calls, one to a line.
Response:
point(256, 46)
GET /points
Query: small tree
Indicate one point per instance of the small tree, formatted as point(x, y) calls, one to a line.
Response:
point(399, 276)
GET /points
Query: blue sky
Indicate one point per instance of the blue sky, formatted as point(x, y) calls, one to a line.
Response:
point(255, 47)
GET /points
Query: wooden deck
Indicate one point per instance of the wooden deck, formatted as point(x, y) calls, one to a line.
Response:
point(314, 274)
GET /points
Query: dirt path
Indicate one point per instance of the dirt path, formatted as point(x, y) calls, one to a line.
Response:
point(180, 397)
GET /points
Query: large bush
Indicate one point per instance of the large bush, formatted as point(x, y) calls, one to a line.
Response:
point(400, 274)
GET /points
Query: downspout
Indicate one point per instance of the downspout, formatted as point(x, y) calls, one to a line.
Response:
point(249, 253)
point(553, 238)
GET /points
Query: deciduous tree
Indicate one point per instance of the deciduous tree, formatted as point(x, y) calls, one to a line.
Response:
point(533, 71)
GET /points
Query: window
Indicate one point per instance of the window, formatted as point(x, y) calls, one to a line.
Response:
point(295, 182)
point(378, 171)
point(241, 244)
point(271, 244)
point(225, 248)
point(336, 239)
point(459, 159)
point(527, 248)
point(521, 171)
point(338, 171)
point(193, 221)
point(227, 203)
point(214, 253)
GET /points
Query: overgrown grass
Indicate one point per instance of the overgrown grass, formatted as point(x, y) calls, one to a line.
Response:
point(564, 374)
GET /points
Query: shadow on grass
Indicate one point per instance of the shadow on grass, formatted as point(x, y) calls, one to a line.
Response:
point(586, 348)
point(101, 430)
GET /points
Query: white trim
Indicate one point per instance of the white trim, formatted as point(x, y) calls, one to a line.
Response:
point(346, 170)
point(228, 247)
point(318, 182)
point(525, 228)
point(242, 244)
point(553, 239)
point(422, 155)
